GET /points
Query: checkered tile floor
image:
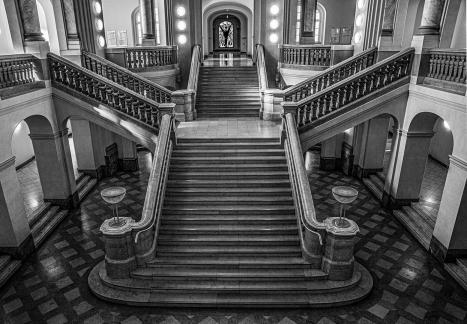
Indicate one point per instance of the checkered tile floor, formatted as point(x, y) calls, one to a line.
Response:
point(410, 286)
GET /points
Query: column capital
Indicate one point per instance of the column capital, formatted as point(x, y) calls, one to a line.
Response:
point(52, 136)
point(407, 133)
point(7, 163)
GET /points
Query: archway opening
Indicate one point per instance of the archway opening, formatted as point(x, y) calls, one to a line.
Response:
point(226, 34)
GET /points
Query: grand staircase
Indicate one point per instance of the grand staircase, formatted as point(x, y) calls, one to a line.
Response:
point(229, 236)
point(228, 92)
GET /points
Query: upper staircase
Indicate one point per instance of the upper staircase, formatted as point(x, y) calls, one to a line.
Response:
point(228, 92)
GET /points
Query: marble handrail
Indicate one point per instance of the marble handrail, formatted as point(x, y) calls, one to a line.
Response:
point(146, 57)
point(261, 67)
point(196, 60)
point(351, 89)
point(67, 75)
point(126, 78)
point(17, 70)
point(332, 75)
point(305, 54)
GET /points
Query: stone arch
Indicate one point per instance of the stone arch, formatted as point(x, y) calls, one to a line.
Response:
point(243, 12)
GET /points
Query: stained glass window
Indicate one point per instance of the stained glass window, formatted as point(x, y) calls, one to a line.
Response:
point(226, 34)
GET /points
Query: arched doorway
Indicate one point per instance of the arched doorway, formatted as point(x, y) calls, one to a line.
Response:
point(226, 32)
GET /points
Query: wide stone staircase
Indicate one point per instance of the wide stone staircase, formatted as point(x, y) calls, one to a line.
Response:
point(229, 236)
point(228, 92)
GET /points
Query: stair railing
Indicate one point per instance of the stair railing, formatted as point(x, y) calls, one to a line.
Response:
point(133, 244)
point(319, 55)
point(137, 58)
point(323, 244)
point(394, 70)
point(68, 76)
point(196, 60)
point(125, 78)
point(260, 62)
point(332, 75)
point(18, 69)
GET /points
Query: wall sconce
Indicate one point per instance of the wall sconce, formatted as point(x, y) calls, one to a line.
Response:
point(99, 24)
point(101, 41)
point(182, 39)
point(97, 7)
point(360, 4)
point(181, 25)
point(274, 24)
point(181, 11)
point(273, 38)
point(274, 10)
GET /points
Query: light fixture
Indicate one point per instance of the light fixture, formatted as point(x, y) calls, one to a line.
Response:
point(97, 7)
point(181, 25)
point(359, 20)
point(358, 38)
point(182, 39)
point(274, 24)
point(274, 10)
point(273, 38)
point(360, 4)
point(99, 24)
point(101, 41)
point(181, 11)
point(446, 125)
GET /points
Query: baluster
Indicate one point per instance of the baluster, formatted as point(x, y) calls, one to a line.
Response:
point(314, 111)
point(155, 116)
point(313, 86)
point(460, 69)
point(450, 68)
point(321, 107)
point(438, 66)
point(308, 114)
point(431, 74)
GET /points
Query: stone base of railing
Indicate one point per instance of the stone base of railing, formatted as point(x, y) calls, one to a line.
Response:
point(184, 105)
point(271, 107)
point(454, 87)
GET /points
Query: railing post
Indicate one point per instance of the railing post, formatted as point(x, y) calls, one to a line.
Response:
point(166, 109)
point(184, 101)
point(271, 104)
point(338, 259)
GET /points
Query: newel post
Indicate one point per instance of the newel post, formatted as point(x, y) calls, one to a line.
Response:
point(119, 248)
point(185, 105)
point(338, 259)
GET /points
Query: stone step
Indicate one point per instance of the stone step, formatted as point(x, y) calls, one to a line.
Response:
point(9, 267)
point(230, 153)
point(231, 262)
point(45, 219)
point(39, 213)
point(226, 229)
point(234, 192)
point(413, 226)
point(230, 210)
point(458, 273)
point(227, 115)
point(373, 187)
point(236, 183)
point(181, 146)
point(39, 237)
point(462, 262)
point(243, 200)
point(193, 175)
point(238, 276)
point(216, 167)
point(227, 239)
point(226, 140)
point(230, 219)
point(87, 188)
point(186, 158)
point(241, 251)
point(241, 106)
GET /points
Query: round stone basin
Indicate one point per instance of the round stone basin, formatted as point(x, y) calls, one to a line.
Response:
point(113, 195)
point(344, 195)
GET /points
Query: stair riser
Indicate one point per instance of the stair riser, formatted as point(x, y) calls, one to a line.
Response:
point(172, 193)
point(219, 168)
point(203, 211)
point(227, 140)
point(235, 153)
point(233, 176)
point(174, 243)
point(194, 185)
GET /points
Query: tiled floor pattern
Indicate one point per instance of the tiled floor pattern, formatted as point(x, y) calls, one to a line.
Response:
point(229, 127)
point(30, 184)
point(410, 286)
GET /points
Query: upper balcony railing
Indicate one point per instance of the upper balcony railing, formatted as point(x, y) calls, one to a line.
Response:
point(447, 69)
point(91, 86)
point(319, 55)
point(125, 78)
point(17, 70)
point(330, 101)
point(332, 75)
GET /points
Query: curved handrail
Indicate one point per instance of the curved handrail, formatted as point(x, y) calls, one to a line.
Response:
point(352, 88)
point(196, 60)
point(332, 75)
point(261, 67)
point(125, 77)
point(95, 86)
point(157, 180)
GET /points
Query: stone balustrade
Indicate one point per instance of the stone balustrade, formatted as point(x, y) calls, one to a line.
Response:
point(350, 90)
point(305, 54)
point(17, 70)
point(71, 77)
point(324, 244)
point(332, 75)
point(125, 78)
point(133, 244)
point(446, 69)
point(146, 57)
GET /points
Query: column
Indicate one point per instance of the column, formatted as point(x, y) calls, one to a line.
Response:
point(370, 155)
point(388, 20)
point(30, 19)
point(331, 150)
point(16, 236)
point(431, 17)
point(409, 167)
point(146, 8)
point(70, 24)
point(86, 152)
point(449, 240)
point(55, 168)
